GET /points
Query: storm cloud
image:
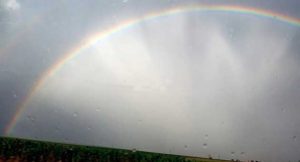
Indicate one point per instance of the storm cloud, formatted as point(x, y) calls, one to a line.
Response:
point(192, 83)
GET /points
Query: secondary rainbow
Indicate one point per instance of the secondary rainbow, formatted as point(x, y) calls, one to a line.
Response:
point(103, 34)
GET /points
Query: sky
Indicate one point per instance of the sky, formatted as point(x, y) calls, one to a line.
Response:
point(192, 83)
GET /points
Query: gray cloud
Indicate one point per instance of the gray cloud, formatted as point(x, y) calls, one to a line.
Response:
point(194, 83)
point(12, 5)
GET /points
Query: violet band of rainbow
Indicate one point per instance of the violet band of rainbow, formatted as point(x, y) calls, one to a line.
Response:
point(103, 34)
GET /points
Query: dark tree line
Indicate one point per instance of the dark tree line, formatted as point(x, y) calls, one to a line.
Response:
point(14, 150)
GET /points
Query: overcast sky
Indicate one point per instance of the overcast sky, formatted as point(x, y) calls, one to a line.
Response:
point(195, 83)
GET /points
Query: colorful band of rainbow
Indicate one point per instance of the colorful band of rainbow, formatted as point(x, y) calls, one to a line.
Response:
point(103, 34)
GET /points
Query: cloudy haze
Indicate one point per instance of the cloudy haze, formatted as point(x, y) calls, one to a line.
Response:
point(193, 83)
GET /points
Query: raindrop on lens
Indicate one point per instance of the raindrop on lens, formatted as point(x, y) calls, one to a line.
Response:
point(231, 32)
point(75, 114)
point(206, 136)
point(205, 145)
point(185, 147)
point(31, 118)
point(57, 129)
point(140, 121)
point(232, 153)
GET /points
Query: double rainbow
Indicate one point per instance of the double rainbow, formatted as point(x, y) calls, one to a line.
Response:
point(103, 34)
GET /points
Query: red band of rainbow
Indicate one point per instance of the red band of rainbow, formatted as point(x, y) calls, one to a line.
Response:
point(103, 34)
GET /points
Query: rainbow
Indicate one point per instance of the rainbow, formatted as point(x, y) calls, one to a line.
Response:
point(14, 41)
point(17, 38)
point(103, 34)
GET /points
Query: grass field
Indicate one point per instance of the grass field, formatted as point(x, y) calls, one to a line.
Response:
point(15, 150)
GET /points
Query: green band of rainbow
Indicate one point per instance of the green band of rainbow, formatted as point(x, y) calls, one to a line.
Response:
point(103, 34)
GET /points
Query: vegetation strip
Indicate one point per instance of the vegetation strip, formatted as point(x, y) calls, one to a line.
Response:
point(15, 149)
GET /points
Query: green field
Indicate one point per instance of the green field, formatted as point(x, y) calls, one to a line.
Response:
point(14, 149)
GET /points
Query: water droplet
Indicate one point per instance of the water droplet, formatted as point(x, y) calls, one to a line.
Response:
point(15, 95)
point(140, 121)
point(204, 145)
point(89, 128)
point(209, 156)
point(75, 114)
point(231, 32)
point(31, 118)
point(206, 136)
point(98, 109)
point(283, 109)
point(57, 129)
point(294, 138)
point(133, 150)
point(124, 1)
point(232, 153)
point(185, 147)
